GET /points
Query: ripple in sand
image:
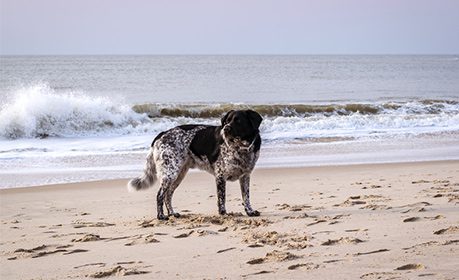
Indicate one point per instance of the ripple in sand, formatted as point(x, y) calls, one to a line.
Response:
point(307, 266)
point(258, 273)
point(411, 219)
point(117, 271)
point(293, 208)
point(87, 238)
point(342, 240)
point(225, 250)
point(449, 230)
point(362, 199)
point(274, 256)
point(192, 221)
point(380, 275)
point(142, 239)
point(43, 250)
point(290, 241)
point(81, 224)
point(184, 235)
point(411, 266)
point(372, 252)
point(90, 264)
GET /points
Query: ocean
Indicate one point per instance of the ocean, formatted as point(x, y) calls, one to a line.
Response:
point(80, 118)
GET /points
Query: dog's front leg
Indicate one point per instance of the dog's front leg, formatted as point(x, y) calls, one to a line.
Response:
point(245, 185)
point(221, 195)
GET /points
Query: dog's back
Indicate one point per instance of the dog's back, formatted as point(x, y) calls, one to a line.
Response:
point(229, 152)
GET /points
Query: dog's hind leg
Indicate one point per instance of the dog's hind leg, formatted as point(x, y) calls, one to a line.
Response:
point(163, 196)
point(245, 185)
point(169, 176)
point(160, 201)
point(170, 192)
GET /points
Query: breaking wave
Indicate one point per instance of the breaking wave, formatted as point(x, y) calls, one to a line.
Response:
point(299, 110)
point(39, 111)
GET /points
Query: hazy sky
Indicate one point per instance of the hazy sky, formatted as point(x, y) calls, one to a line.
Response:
point(229, 27)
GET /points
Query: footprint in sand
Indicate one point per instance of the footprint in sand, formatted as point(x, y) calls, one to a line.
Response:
point(289, 241)
point(75, 251)
point(342, 240)
point(323, 219)
point(411, 219)
point(372, 252)
point(443, 188)
point(90, 264)
point(415, 219)
point(142, 239)
point(293, 208)
point(449, 230)
point(417, 204)
point(410, 266)
point(374, 187)
point(356, 230)
point(420, 182)
point(414, 207)
point(225, 250)
point(274, 256)
point(184, 235)
point(83, 214)
point(427, 244)
point(203, 232)
point(81, 224)
point(192, 221)
point(380, 275)
point(44, 250)
point(362, 199)
point(117, 271)
point(453, 198)
point(258, 273)
point(87, 238)
point(306, 266)
point(376, 207)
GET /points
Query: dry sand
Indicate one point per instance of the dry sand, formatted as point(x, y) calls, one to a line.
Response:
point(382, 221)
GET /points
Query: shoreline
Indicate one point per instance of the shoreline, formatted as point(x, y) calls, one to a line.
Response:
point(367, 221)
point(47, 169)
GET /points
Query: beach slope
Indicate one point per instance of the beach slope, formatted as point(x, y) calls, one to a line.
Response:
point(374, 221)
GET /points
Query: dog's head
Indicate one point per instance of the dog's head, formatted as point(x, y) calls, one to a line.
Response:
point(243, 125)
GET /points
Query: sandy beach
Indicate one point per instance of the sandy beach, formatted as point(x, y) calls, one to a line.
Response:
point(374, 221)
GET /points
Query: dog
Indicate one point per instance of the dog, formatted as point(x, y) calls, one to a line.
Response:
point(229, 152)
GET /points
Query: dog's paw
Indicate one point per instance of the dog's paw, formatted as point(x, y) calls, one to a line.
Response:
point(162, 217)
point(253, 213)
point(175, 214)
point(222, 212)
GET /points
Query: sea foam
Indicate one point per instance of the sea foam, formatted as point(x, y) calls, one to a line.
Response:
point(39, 111)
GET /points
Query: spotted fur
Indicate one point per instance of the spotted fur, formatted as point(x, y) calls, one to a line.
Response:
point(229, 152)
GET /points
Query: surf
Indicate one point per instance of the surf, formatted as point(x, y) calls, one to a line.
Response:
point(40, 111)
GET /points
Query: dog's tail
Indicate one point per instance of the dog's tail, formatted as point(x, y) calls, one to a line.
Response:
point(147, 179)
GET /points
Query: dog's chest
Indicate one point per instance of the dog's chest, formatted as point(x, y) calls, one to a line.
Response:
point(234, 162)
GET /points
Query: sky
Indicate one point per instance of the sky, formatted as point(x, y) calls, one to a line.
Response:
point(58, 27)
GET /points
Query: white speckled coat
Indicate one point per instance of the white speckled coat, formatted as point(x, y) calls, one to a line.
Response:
point(217, 150)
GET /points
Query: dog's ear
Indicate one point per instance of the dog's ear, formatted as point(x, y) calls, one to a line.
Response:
point(255, 118)
point(226, 117)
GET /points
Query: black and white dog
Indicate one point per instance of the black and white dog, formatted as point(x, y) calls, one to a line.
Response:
point(229, 152)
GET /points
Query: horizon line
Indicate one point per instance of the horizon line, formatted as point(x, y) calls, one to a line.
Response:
point(236, 54)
